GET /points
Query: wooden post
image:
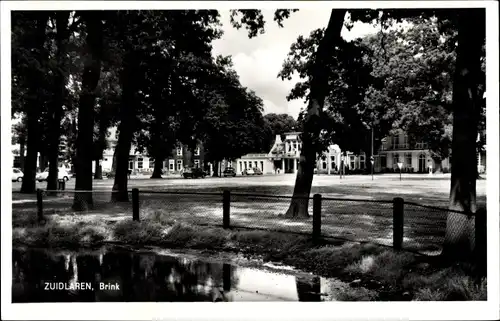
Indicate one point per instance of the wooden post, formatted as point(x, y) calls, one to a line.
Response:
point(39, 204)
point(316, 232)
point(135, 204)
point(226, 277)
point(398, 222)
point(226, 202)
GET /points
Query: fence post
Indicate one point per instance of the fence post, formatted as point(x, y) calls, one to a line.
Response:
point(316, 232)
point(39, 204)
point(226, 202)
point(135, 204)
point(398, 222)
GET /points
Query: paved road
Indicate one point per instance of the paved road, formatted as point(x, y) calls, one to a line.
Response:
point(416, 187)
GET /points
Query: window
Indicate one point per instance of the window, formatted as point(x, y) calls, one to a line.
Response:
point(262, 165)
point(179, 151)
point(395, 159)
point(130, 164)
point(332, 162)
point(361, 162)
point(323, 165)
point(351, 160)
point(408, 160)
point(256, 164)
point(179, 164)
point(395, 142)
point(139, 163)
point(245, 164)
point(196, 163)
point(241, 166)
point(197, 151)
point(383, 161)
point(171, 165)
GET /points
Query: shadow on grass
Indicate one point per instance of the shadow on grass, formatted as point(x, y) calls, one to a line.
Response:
point(353, 220)
point(397, 275)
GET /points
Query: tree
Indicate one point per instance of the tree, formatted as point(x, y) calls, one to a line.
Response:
point(29, 60)
point(173, 34)
point(60, 72)
point(416, 64)
point(468, 92)
point(466, 101)
point(90, 78)
point(107, 107)
point(277, 124)
point(233, 123)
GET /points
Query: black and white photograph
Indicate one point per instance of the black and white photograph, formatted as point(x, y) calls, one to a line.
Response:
point(228, 152)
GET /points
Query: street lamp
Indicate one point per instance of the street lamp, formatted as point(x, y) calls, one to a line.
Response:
point(372, 160)
point(400, 165)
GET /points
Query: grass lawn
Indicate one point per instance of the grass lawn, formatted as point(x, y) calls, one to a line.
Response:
point(355, 220)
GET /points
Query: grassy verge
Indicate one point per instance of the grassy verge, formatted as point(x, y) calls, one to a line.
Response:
point(393, 275)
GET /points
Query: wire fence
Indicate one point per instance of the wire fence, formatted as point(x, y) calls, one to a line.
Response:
point(403, 225)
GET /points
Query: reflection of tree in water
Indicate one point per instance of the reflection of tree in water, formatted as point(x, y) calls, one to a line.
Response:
point(142, 277)
point(31, 269)
point(308, 289)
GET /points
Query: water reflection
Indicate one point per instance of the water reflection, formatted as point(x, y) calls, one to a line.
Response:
point(147, 277)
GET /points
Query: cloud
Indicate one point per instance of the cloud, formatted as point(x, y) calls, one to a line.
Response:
point(258, 60)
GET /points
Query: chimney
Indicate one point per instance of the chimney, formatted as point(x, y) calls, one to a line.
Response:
point(278, 139)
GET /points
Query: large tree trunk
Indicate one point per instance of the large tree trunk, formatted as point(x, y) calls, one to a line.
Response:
point(215, 168)
point(98, 169)
point(308, 290)
point(62, 37)
point(22, 150)
point(157, 170)
point(101, 144)
point(438, 165)
point(318, 91)
point(126, 129)
point(90, 78)
point(459, 240)
point(33, 105)
point(113, 164)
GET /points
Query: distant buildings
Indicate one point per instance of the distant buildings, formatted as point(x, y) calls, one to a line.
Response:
point(181, 158)
point(414, 159)
point(285, 154)
point(284, 158)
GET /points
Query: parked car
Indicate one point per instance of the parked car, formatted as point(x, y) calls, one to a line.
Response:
point(248, 172)
point(17, 175)
point(61, 174)
point(194, 172)
point(257, 171)
point(229, 172)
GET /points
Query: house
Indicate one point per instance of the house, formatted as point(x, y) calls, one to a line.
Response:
point(181, 158)
point(284, 158)
point(414, 158)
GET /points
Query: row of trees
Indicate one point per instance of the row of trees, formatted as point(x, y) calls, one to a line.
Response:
point(150, 73)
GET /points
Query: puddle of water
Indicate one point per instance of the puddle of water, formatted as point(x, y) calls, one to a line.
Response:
point(43, 275)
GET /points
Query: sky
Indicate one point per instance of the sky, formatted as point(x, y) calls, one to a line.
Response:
point(259, 60)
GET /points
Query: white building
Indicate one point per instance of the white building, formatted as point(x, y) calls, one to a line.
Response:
point(414, 159)
point(284, 158)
